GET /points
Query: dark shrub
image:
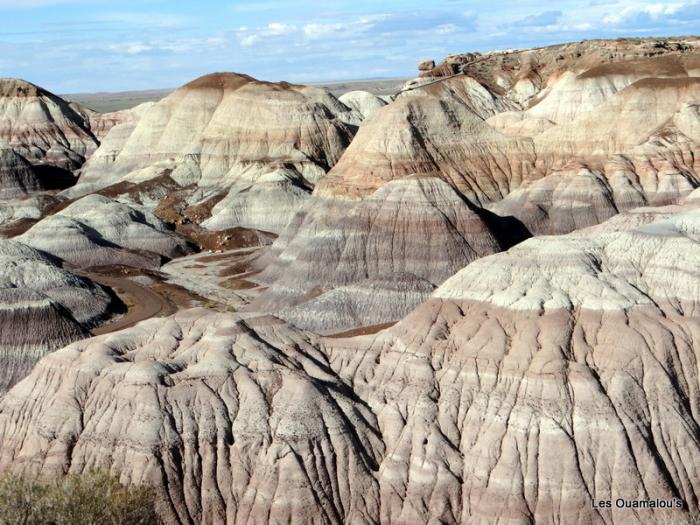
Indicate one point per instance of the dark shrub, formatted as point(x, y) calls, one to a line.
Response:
point(92, 498)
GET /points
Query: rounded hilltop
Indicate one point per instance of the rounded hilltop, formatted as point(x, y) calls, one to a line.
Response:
point(15, 87)
point(231, 81)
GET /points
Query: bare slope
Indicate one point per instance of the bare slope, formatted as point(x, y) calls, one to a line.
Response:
point(223, 132)
point(42, 307)
point(42, 127)
point(97, 230)
point(531, 384)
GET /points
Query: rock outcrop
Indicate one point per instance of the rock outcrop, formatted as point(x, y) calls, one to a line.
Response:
point(524, 75)
point(97, 230)
point(363, 102)
point(42, 307)
point(17, 177)
point(43, 128)
point(531, 384)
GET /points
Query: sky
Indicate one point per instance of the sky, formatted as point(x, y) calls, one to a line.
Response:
point(79, 46)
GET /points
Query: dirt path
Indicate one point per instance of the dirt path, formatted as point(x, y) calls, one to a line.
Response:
point(141, 301)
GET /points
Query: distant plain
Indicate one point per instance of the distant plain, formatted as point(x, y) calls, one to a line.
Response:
point(105, 102)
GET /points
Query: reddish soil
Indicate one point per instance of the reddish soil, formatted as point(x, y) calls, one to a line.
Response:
point(158, 299)
point(363, 330)
point(16, 228)
point(236, 268)
point(142, 303)
point(237, 283)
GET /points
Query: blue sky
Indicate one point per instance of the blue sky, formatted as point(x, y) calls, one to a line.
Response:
point(106, 45)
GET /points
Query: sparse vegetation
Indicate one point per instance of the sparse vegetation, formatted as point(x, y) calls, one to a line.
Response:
point(93, 498)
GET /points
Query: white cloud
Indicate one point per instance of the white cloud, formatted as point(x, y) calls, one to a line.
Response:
point(248, 38)
point(277, 29)
point(651, 12)
point(130, 48)
point(446, 29)
point(176, 45)
point(319, 30)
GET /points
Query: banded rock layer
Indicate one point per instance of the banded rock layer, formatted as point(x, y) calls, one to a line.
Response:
point(525, 75)
point(43, 128)
point(213, 410)
point(344, 264)
point(17, 177)
point(42, 307)
point(531, 383)
point(639, 148)
point(97, 230)
point(432, 135)
point(221, 131)
point(267, 202)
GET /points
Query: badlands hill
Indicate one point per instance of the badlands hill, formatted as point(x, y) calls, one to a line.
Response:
point(481, 304)
point(99, 231)
point(17, 177)
point(43, 307)
point(219, 135)
point(44, 140)
point(43, 128)
point(343, 265)
point(530, 384)
point(598, 136)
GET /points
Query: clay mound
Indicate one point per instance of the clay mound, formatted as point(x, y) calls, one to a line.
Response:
point(267, 203)
point(565, 96)
point(18, 215)
point(32, 325)
point(364, 303)
point(566, 353)
point(572, 198)
point(572, 95)
point(224, 126)
point(17, 177)
point(102, 123)
point(43, 128)
point(245, 408)
point(636, 149)
point(669, 66)
point(430, 136)
point(664, 102)
point(625, 121)
point(413, 230)
point(362, 102)
point(97, 230)
point(220, 81)
point(42, 308)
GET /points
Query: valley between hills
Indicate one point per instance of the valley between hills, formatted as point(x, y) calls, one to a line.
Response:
point(468, 297)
